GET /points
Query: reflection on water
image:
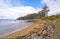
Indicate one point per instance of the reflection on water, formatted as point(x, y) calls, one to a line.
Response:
point(8, 26)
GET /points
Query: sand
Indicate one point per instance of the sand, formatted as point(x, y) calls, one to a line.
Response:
point(34, 28)
point(25, 31)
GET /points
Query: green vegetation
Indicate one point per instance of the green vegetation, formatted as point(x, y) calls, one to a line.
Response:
point(43, 14)
point(53, 17)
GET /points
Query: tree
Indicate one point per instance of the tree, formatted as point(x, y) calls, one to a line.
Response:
point(44, 12)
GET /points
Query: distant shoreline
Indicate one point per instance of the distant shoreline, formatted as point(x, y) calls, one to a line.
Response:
point(21, 32)
point(32, 28)
point(13, 31)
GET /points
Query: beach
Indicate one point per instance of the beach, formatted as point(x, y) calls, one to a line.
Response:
point(39, 30)
point(25, 31)
point(8, 27)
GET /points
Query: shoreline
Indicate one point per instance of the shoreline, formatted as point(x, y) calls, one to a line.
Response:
point(12, 32)
point(7, 34)
point(31, 29)
point(21, 32)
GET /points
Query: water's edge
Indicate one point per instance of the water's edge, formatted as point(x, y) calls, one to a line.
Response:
point(15, 26)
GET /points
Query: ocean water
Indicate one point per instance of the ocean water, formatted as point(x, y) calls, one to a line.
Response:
point(10, 26)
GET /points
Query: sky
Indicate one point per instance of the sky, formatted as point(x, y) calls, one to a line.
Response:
point(12, 9)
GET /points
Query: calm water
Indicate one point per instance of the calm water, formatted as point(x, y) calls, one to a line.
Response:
point(10, 26)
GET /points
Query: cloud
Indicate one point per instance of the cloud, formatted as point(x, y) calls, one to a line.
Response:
point(54, 6)
point(11, 9)
point(15, 12)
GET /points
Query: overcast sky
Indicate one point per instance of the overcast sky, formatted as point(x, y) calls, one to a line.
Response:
point(12, 9)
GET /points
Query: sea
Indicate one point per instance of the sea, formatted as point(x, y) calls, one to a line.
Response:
point(9, 26)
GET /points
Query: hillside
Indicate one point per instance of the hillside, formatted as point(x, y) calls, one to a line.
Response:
point(42, 13)
point(53, 17)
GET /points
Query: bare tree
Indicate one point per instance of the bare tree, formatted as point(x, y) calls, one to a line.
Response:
point(44, 12)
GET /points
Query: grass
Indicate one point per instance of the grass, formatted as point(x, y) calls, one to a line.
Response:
point(52, 18)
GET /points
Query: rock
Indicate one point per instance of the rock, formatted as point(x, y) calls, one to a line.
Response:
point(48, 32)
